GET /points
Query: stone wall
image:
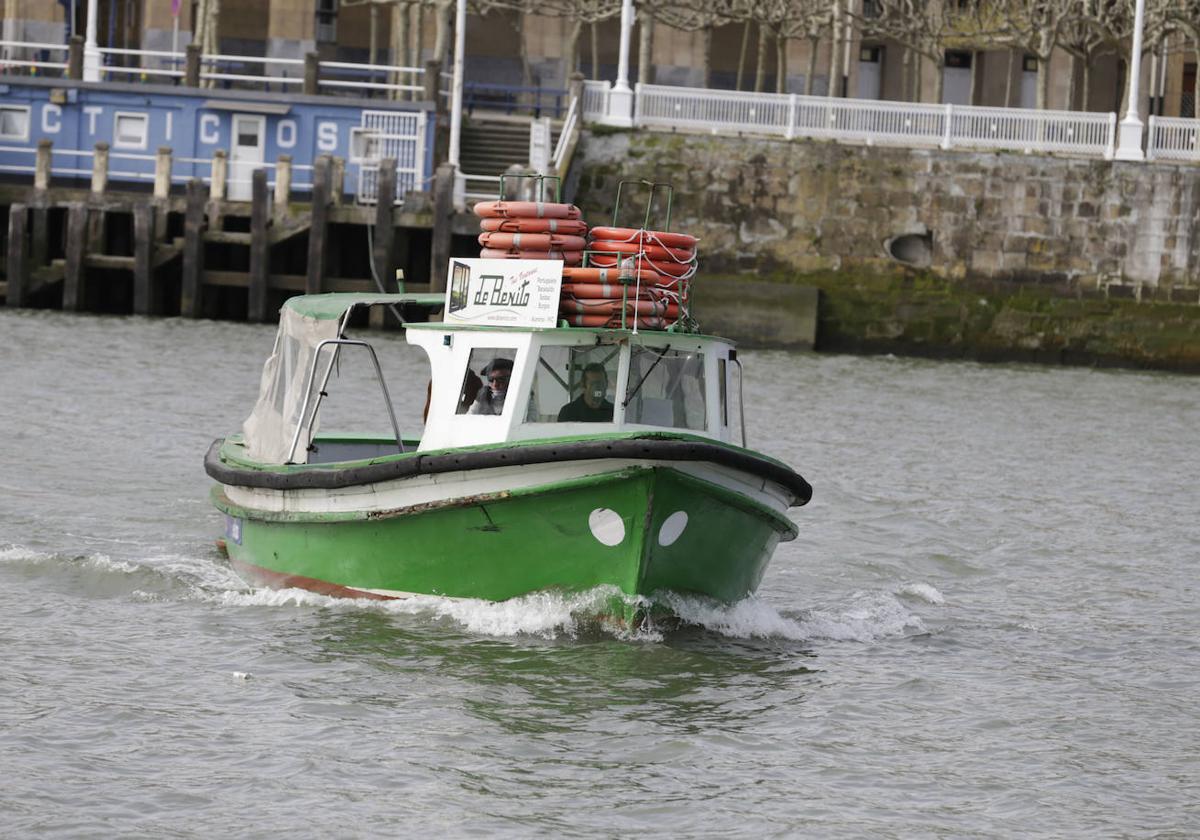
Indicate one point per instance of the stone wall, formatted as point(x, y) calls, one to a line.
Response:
point(1009, 255)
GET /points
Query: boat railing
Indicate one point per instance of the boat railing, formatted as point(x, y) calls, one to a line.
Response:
point(315, 398)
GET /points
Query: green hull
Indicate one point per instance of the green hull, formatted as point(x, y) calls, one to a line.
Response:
point(502, 545)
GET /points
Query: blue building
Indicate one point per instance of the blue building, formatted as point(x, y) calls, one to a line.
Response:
point(254, 128)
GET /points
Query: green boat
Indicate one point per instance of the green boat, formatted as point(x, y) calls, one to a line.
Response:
point(614, 458)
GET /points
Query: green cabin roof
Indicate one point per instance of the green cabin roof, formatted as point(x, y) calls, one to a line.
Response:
point(333, 305)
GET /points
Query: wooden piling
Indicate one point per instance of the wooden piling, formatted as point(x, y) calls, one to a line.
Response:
point(145, 296)
point(220, 173)
point(312, 69)
point(283, 184)
point(385, 229)
point(18, 267)
point(191, 286)
point(191, 66)
point(162, 172)
point(260, 247)
point(42, 165)
point(100, 168)
point(337, 180)
point(74, 291)
point(432, 82)
point(443, 215)
point(317, 230)
point(75, 57)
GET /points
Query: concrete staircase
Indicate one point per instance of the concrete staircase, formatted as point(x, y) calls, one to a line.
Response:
point(490, 145)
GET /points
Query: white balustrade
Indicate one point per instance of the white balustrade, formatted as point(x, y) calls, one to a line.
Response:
point(595, 99)
point(865, 120)
point(1173, 138)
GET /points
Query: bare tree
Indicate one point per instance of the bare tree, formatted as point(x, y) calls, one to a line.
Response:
point(701, 16)
point(927, 28)
point(783, 21)
point(578, 13)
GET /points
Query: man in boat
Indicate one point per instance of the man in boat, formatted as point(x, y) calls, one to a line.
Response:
point(591, 406)
point(490, 399)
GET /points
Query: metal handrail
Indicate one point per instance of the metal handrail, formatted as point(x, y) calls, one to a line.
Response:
point(312, 376)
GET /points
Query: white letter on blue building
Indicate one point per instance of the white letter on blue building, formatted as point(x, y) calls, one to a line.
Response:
point(92, 111)
point(285, 134)
point(51, 118)
point(209, 123)
point(327, 136)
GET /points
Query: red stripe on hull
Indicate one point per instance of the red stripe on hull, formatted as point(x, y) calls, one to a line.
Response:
point(283, 580)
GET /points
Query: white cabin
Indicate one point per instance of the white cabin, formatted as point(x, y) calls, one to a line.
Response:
point(653, 381)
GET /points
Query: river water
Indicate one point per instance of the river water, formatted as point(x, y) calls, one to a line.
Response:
point(988, 627)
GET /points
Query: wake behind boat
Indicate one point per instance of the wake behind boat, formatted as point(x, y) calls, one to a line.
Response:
point(553, 457)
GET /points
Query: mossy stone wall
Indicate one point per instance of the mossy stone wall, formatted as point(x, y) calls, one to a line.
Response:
point(1027, 257)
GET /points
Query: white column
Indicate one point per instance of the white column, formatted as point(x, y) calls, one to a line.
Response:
point(620, 99)
point(1129, 143)
point(456, 103)
point(91, 50)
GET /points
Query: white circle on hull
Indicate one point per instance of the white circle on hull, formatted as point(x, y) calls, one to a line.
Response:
point(672, 527)
point(607, 526)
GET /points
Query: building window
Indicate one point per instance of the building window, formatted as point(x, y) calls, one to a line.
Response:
point(130, 131)
point(1029, 64)
point(958, 58)
point(871, 55)
point(364, 145)
point(14, 122)
point(326, 14)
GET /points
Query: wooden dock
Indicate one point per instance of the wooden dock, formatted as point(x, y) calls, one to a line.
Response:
point(193, 252)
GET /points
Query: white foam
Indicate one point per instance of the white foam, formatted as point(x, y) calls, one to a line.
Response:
point(749, 618)
point(869, 617)
point(923, 591)
point(20, 554)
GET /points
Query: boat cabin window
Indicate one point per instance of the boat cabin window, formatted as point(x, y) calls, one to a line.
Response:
point(485, 381)
point(666, 388)
point(574, 384)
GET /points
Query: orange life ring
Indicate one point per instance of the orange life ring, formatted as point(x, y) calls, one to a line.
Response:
point(609, 275)
point(614, 322)
point(568, 257)
point(667, 268)
point(654, 237)
point(606, 291)
point(526, 210)
point(573, 227)
point(614, 307)
point(531, 241)
point(654, 252)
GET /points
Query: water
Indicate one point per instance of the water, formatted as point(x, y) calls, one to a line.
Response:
point(988, 627)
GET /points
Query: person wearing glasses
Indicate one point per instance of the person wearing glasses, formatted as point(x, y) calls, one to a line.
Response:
point(490, 399)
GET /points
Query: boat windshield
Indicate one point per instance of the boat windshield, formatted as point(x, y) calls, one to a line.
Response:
point(665, 388)
point(573, 384)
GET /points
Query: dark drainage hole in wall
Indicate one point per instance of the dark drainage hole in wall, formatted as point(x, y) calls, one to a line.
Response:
point(914, 249)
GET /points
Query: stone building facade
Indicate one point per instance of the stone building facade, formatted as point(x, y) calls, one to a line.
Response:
point(509, 48)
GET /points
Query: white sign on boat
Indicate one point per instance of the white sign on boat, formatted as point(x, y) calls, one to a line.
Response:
point(505, 293)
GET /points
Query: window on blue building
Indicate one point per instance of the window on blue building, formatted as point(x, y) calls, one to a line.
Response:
point(14, 122)
point(130, 131)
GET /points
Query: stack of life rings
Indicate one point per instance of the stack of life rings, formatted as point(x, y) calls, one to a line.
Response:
point(531, 230)
point(634, 278)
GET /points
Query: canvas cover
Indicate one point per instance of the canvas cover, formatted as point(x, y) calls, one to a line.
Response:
point(304, 322)
point(271, 426)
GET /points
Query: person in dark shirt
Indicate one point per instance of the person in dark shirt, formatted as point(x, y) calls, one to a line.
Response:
point(590, 406)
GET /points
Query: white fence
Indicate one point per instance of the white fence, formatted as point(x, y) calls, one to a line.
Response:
point(873, 121)
point(864, 120)
point(217, 69)
point(1172, 138)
